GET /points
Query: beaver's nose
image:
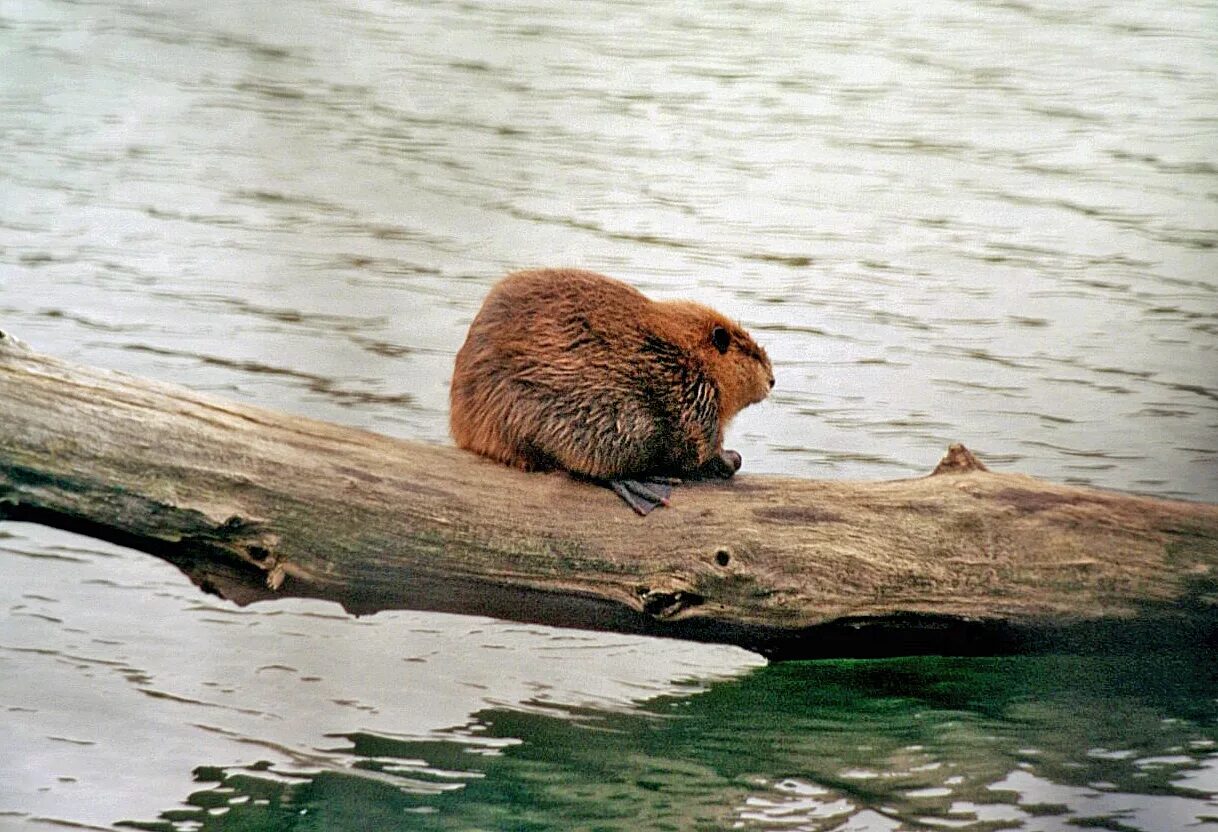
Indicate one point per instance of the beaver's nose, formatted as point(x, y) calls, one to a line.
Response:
point(771, 382)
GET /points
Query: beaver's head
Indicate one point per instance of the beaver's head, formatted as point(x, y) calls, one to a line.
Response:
point(739, 366)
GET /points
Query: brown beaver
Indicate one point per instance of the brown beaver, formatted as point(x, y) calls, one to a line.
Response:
point(570, 369)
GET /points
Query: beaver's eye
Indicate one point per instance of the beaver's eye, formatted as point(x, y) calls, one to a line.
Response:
point(721, 338)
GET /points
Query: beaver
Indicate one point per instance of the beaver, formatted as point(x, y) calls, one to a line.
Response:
point(570, 369)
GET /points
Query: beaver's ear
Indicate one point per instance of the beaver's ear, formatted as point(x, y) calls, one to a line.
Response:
point(721, 338)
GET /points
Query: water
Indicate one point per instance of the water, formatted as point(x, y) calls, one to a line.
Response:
point(1042, 743)
point(947, 221)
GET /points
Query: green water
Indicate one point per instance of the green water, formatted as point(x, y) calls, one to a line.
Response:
point(1057, 742)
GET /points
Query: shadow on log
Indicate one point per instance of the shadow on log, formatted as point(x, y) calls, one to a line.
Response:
point(254, 504)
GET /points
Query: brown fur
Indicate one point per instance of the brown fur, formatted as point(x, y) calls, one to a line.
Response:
point(571, 369)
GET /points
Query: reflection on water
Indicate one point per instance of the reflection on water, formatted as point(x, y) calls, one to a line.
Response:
point(992, 222)
point(1047, 743)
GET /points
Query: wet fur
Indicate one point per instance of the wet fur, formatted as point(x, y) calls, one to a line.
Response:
point(571, 369)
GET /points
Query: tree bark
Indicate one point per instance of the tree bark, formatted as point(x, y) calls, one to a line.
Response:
point(254, 504)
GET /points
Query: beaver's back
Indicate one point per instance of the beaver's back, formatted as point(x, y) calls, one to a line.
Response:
point(561, 369)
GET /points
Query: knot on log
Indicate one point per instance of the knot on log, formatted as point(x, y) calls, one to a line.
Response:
point(958, 460)
point(249, 540)
point(242, 540)
point(660, 603)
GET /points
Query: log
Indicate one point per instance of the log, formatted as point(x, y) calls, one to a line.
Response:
point(254, 505)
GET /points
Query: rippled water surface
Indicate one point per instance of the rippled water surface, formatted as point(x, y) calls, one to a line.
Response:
point(986, 222)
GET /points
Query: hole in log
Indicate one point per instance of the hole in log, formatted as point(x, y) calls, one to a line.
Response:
point(258, 553)
point(723, 557)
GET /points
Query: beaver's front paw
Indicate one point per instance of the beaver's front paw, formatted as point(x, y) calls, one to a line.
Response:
point(721, 466)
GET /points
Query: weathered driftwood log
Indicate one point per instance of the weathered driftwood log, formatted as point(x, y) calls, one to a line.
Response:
point(253, 504)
